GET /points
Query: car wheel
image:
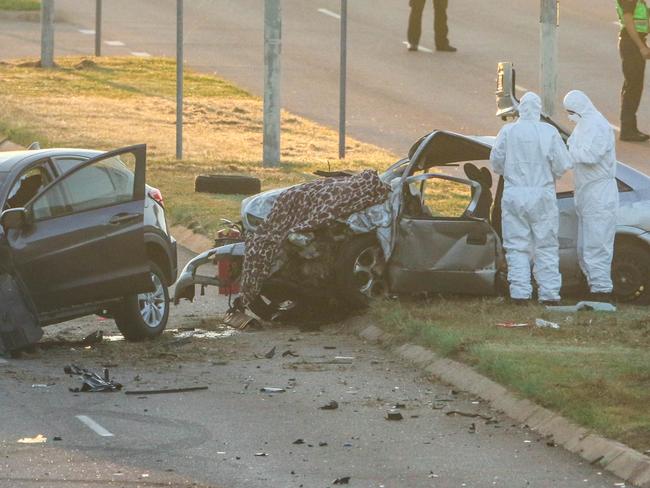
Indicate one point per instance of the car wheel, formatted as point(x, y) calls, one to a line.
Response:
point(228, 184)
point(144, 315)
point(631, 273)
point(360, 271)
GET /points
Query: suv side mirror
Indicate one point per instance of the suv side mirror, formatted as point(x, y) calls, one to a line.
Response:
point(13, 218)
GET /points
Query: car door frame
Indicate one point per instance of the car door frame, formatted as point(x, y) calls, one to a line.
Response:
point(139, 281)
point(412, 273)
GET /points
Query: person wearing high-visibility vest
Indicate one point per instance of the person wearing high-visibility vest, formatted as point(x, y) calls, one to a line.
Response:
point(633, 17)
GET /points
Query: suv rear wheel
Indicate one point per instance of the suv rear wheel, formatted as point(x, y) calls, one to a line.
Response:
point(144, 315)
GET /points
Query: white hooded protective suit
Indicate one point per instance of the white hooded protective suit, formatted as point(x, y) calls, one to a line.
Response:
point(593, 151)
point(530, 155)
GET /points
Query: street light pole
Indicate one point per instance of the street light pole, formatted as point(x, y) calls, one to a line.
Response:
point(343, 76)
point(179, 79)
point(47, 33)
point(549, 22)
point(272, 51)
point(98, 27)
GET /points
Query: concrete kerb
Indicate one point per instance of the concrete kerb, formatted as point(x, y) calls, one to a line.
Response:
point(622, 461)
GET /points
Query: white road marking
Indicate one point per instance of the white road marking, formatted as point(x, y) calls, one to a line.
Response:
point(329, 12)
point(3, 361)
point(420, 48)
point(141, 54)
point(88, 32)
point(94, 426)
point(114, 43)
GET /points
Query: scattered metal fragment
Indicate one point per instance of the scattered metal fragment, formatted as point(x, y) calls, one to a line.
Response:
point(261, 454)
point(584, 306)
point(90, 340)
point(394, 415)
point(299, 441)
point(342, 481)
point(399, 406)
point(329, 347)
point(42, 385)
point(241, 321)
point(343, 359)
point(270, 389)
point(468, 414)
point(57, 438)
point(166, 390)
point(322, 444)
point(92, 382)
point(289, 352)
point(472, 428)
point(39, 439)
point(270, 353)
point(332, 405)
point(546, 324)
point(512, 325)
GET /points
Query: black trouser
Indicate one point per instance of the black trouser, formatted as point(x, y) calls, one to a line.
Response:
point(439, 23)
point(633, 73)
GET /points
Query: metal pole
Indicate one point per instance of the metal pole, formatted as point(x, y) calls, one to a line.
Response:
point(47, 33)
point(343, 76)
point(549, 22)
point(272, 51)
point(98, 27)
point(179, 79)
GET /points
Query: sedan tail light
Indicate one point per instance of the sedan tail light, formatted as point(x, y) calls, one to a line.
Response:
point(157, 196)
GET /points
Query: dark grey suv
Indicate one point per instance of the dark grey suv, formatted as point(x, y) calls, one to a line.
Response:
point(81, 233)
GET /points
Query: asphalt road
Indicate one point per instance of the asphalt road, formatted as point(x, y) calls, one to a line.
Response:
point(394, 96)
point(216, 437)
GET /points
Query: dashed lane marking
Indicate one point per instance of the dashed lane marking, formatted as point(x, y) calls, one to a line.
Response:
point(114, 43)
point(141, 54)
point(420, 48)
point(324, 11)
point(88, 32)
point(94, 426)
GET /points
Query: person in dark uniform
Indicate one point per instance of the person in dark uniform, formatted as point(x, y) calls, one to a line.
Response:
point(633, 17)
point(439, 25)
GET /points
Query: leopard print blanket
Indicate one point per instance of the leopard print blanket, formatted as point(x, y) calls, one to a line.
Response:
point(302, 208)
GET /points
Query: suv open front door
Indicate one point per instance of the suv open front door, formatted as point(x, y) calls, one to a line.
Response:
point(83, 241)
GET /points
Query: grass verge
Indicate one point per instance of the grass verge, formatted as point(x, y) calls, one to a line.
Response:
point(20, 5)
point(594, 370)
point(106, 103)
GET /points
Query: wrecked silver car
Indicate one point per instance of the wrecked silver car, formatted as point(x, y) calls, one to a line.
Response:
point(434, 234)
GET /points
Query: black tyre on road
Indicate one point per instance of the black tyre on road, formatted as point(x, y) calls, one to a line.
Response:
point(631, 272)
point(144, 316)
point(360, 269)
point(228, 184)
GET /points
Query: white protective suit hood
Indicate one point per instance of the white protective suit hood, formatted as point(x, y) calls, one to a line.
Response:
point(530, 107)
point(592, 133)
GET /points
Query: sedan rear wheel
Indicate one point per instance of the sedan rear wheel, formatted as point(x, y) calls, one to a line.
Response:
point(631, 273)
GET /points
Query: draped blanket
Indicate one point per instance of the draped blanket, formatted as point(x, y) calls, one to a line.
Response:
point(303, 208)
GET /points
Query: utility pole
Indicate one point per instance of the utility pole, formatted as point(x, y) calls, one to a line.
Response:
point(47, 33)
point(272, 51)
point(343, 76)
point(98, 28)
point(179, 79)
point(549, 22)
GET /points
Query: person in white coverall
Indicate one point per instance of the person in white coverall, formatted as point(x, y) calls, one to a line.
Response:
point(593, 150)
point(530, 155)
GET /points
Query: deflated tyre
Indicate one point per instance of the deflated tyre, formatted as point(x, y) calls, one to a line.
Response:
point(144, 315)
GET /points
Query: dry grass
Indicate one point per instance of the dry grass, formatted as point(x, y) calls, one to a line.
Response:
point(111, 102)
point(595, 369)
point(20, 5)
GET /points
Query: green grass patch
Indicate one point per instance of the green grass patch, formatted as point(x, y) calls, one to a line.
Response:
point(595, 369)
point(20, 5)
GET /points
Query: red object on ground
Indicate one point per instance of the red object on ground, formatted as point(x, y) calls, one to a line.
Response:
point(224, 267)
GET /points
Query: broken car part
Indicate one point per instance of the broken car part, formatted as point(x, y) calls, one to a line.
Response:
point(166, 390)
point(92, 382)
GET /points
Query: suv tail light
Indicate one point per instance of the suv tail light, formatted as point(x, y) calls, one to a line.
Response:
point(157, 196)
